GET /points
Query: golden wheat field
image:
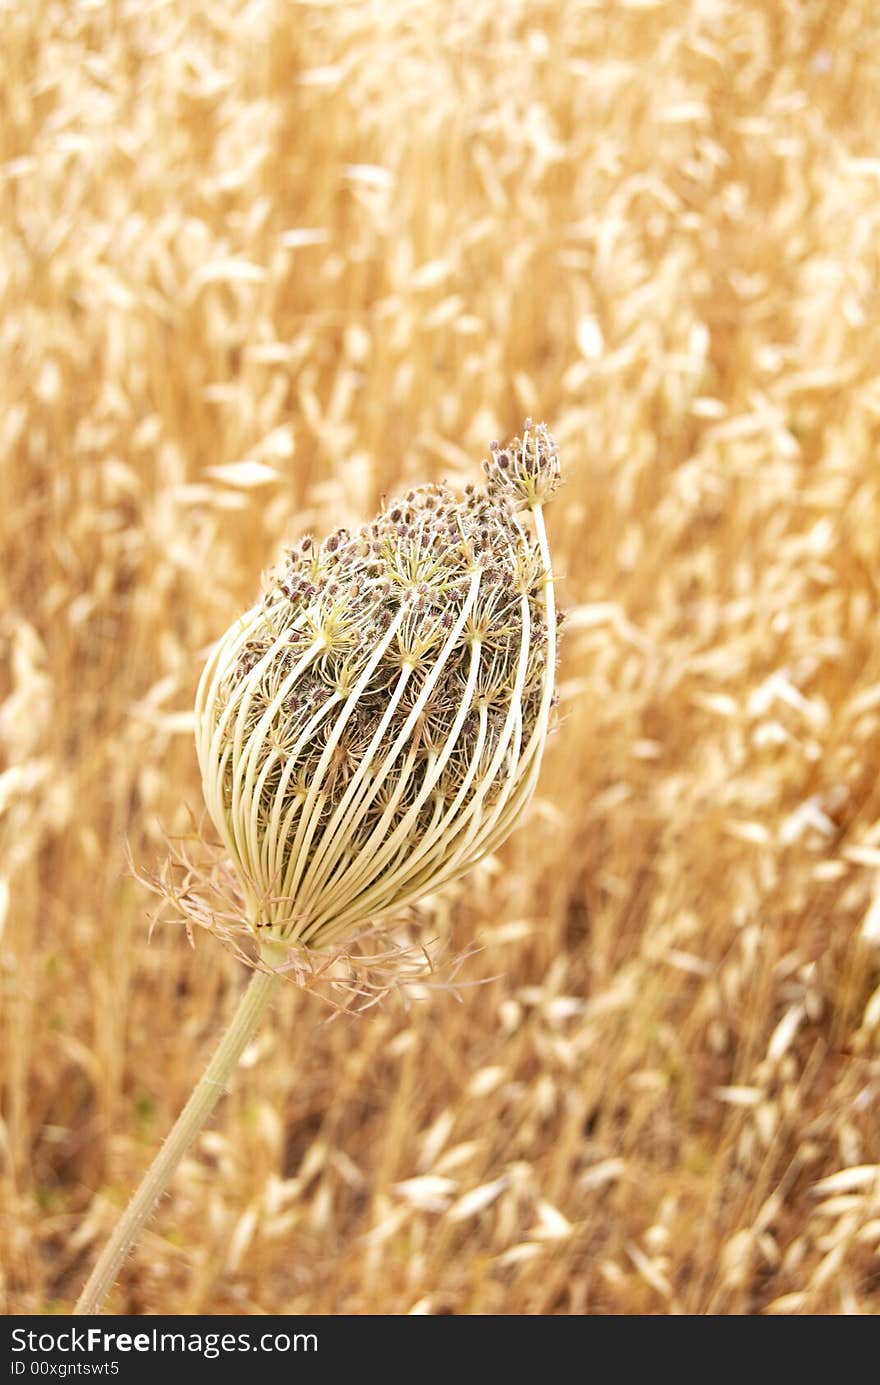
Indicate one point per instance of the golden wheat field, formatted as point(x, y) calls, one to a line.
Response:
point(263, 262)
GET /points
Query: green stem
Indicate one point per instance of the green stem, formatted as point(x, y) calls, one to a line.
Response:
point(207, 1092)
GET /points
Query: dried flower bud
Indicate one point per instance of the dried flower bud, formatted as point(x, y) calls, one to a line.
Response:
point(376, 723)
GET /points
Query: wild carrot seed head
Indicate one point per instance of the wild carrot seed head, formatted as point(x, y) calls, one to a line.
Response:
point(375, 724)
point(527, 469)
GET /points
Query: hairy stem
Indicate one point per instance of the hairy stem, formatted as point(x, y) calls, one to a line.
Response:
point(206, 1093)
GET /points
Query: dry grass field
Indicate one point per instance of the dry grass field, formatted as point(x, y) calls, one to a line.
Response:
point(264, 261)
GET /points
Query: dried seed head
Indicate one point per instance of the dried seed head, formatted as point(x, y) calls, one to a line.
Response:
point(376, 723)
point(527, 469)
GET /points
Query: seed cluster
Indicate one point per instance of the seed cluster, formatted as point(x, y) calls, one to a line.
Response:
point(527, 471)
point(376, 723)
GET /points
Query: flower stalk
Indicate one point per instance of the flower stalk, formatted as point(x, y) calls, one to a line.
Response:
point(204, 1097)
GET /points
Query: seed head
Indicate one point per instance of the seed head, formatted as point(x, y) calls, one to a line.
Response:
point(527, 470)
point(375, 724)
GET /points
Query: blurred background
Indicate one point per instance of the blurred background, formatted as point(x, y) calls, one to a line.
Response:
point(264, 261)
